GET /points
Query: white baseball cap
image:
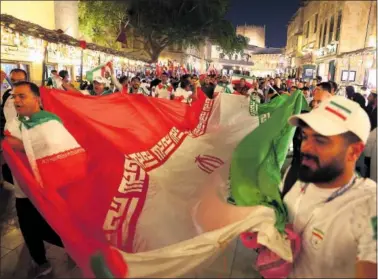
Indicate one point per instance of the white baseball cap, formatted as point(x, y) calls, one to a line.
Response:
point(100, 79)
point(336, 116)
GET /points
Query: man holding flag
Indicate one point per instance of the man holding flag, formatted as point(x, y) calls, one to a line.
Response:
point(33, 226)
point(100, 87)
point(333, 208)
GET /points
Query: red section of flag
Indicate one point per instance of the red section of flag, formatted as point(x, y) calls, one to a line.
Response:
point(335, 112)
point(56, 211)
point(49, 165)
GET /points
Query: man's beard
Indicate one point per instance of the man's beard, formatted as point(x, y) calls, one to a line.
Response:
point(322, 174)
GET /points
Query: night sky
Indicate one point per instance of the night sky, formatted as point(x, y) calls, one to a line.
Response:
point(275, 14)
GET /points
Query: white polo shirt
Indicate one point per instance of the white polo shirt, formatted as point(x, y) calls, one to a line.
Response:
point(182, 92)
point(340, 232)
point(164, 91)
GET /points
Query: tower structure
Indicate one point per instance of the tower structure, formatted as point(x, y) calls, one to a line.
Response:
point(255, 34)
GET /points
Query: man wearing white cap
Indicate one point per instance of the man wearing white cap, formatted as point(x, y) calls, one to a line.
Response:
point(332, 208)
point(99, 87)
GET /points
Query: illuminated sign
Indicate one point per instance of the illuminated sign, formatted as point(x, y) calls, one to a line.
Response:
point(328, 50)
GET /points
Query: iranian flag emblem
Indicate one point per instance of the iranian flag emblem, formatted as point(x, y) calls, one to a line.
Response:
point(338, 110)
point(316, 237)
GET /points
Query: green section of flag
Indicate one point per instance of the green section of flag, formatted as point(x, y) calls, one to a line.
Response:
point(257, 160)
point(374, 225)
point(90, 74)
point(99, 267)
point(263, 111)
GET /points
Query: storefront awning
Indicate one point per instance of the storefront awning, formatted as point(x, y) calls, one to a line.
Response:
point(55, 36)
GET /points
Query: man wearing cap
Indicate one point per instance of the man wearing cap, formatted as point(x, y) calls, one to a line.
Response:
point(330, 206)
point(136, 88)
point(100, 87)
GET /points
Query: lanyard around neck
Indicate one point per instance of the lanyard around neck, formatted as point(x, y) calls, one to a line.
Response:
point(316, 211)
point(336, 193)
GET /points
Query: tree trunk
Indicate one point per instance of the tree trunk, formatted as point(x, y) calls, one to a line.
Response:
point(154, 54)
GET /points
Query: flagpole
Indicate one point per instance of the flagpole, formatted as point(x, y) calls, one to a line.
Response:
point(44, 63)
point(81, 65)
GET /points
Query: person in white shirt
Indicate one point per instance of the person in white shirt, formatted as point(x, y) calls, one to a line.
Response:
point(164, 89)
point(136, 87)
point(333, 209)
point(34, 228)
point(307, 95)
point(184, 91)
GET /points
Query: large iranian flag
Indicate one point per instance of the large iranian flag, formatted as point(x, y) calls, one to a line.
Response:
point(153, 202)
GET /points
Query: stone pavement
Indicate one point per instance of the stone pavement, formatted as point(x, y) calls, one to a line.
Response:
point(235, 262)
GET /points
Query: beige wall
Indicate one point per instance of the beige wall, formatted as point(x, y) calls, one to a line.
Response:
point(353, 27)
point(309, 14)
point(372, 29)
point(355, 16)
point(294, 29)
point(38, 12)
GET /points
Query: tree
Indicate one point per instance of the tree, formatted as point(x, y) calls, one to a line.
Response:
point(158, 24)
point(100, 21)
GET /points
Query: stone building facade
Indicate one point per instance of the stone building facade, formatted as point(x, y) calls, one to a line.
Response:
point(255, 34)
point(255, 61)
point(335, 40)
point(51, 15)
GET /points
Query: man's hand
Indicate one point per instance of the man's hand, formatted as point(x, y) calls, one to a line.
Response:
point(15, 143)
point(110, 65)
point(68, 87)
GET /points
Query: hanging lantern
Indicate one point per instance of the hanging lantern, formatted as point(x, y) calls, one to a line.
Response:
point(83, 44)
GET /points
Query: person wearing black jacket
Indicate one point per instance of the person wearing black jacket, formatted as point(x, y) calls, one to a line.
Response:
point(8, 111)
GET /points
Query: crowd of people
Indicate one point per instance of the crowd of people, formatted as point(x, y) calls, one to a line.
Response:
point(329, 159)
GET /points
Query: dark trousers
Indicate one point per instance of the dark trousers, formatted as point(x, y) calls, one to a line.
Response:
point(35, 230)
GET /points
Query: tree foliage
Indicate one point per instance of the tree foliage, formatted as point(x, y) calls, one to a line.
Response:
point(100, 20)
point(158, 24)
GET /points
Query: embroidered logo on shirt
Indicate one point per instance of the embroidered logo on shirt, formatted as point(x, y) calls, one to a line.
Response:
point(316, 237)
point(374, 224)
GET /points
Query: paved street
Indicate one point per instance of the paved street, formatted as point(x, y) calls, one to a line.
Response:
point(235, 262)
